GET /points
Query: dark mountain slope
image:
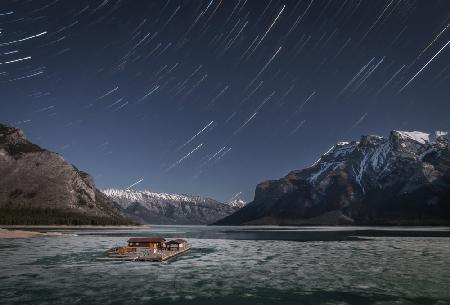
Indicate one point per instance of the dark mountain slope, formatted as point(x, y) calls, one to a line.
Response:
point(402, 180)
point(39, 187)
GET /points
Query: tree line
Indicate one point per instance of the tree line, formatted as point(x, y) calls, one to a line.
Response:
point(43, 216)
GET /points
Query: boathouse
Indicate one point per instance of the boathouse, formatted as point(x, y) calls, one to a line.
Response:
point(176, 244)
point(153, 243)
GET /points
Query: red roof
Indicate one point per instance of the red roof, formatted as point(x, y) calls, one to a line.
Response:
point(177, 241)
point(146, 240)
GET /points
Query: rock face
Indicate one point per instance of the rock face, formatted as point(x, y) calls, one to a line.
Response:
point(401, 180)
point(39, 187)
point(160, 208)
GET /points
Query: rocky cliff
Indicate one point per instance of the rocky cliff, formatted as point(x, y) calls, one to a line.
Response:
point(400, 180)
point(161, 208)
point(39, 187)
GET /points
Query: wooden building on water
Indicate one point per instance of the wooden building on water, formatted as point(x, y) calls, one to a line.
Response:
point(176, 245)
point(152, 243)
point(148, 249)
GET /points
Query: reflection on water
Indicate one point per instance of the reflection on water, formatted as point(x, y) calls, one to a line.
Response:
point(230, 265)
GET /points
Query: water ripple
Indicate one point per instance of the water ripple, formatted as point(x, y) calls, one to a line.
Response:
point(225, 269)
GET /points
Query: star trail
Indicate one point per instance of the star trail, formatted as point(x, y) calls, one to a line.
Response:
point(212, 97)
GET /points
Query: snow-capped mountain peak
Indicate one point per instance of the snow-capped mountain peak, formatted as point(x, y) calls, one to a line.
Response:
point(126, 197)
point(418, 136)
point(373, 157)
point(238, 203)
point(401, 179)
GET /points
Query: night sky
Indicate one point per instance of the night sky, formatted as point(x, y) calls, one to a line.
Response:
point(212, 97)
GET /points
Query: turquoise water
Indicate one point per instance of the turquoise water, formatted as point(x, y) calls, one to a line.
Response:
point(232, 265)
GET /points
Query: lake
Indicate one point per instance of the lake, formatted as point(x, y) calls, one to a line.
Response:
point(233, 265)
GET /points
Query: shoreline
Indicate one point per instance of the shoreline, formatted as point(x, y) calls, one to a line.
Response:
point(70, 227)
point(31, 231)
point(13, 234)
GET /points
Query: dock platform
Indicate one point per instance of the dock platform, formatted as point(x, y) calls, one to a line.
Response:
point(145, 256)
point(147, 249)
point(162, 256)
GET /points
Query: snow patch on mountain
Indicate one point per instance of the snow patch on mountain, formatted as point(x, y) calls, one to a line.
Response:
point(418, 136)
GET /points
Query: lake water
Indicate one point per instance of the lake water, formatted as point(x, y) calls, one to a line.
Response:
point(234, 265)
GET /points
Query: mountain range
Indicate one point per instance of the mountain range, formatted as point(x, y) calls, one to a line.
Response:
point(403, 179)
point(400, 180)
point(162, 208)
point(40, 187)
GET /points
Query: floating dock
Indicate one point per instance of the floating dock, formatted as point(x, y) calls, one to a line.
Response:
point(163, 256)
point(147, 249)
point(145, 257)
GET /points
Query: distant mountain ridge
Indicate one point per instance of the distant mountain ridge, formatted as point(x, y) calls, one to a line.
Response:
point(39, 187)
point(400, 180)
point(162, 208)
